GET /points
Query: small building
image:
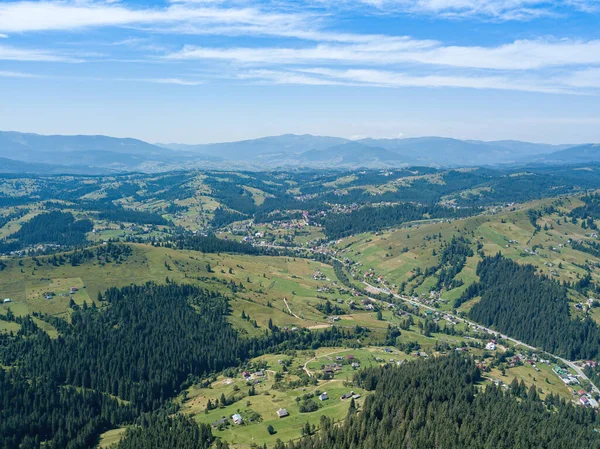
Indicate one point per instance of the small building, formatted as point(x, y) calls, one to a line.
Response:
point(7, 300)
point(237, 418)
point(220, 422)
point(282, 413)
point(246, 375)
point(355, 365)
point(73, 290)
point(347, 396)
point(491, 346)
point(323, 396)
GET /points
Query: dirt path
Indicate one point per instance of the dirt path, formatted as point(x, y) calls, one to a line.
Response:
point(290, 310)
point(309, 372)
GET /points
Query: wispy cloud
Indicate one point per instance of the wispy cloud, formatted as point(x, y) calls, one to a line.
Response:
point(186, 17)
point(519, 55)
point(319, 53)
point(587, 78)
point(289, 77)
point(8, 74)
point(9, 53)
point(393, 79)
point(505, 10)
point(177, 81)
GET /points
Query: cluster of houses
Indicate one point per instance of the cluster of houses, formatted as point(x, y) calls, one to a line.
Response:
point(331, 368)
point(239, 420)
point(256, 376)
point(37, 249)
point(586, 399)
point(565, 376)
point(429, 299)
point(319, 276)
point(51, 295)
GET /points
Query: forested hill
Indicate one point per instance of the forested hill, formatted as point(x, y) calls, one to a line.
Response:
point(436, 404)
point(531, 308)
point(155, 325)
point(58, 228)
point(112, 364)
point(377, 218)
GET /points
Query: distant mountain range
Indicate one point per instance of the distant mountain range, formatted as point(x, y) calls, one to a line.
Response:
point(34, 153)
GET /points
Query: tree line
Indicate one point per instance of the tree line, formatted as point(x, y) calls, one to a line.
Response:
point(533, 308)
point(57, 228)
point(371, 218)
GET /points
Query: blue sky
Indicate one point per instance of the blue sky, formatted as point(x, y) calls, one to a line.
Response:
point(198, 71)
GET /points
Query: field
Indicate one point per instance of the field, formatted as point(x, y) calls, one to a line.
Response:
point(267, 281)
point(107, 439)
point(271, 395)
point(545, 379)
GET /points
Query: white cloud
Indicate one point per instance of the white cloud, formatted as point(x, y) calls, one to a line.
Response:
point(395, 79)
point(283, 77)
point(28, 16)
point(488, 9)
point(167, 80)
point(519, 55)
point(20, 54)
point(588, 78)
point(8, 74)
point(176, 81)
point(320, 56)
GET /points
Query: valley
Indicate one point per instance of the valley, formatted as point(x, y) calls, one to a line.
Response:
point(320, 277)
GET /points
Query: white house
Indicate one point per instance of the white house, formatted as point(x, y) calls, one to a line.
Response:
point(323, 396)
point(237, 418)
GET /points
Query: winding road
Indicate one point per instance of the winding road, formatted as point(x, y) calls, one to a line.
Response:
point(569, 363)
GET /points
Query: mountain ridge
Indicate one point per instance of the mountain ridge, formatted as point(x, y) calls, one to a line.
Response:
point(92, 152)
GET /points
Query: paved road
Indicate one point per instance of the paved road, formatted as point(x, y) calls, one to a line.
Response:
point(569, 363)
